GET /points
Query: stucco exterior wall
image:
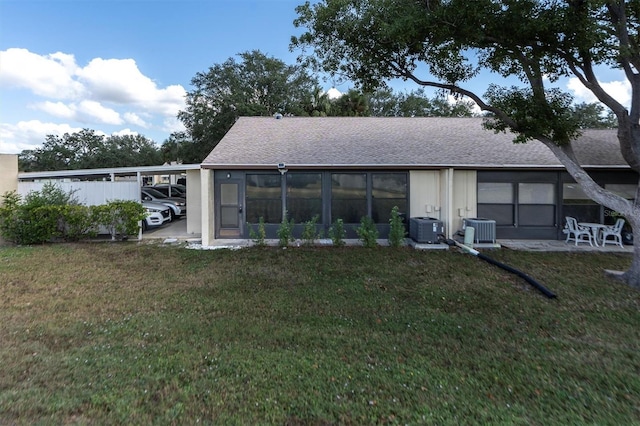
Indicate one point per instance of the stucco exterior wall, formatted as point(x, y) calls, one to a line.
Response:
point(425, 194)
point(8, 173)
point(447, 194)
point(464, 197)
point(208, 216)
point(194, 202)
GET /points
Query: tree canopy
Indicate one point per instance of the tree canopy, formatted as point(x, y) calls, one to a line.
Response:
point(257, 85)
point(87, 149)
point(444, 44)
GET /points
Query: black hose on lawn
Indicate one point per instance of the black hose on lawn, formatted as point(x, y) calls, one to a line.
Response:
point(527, 278)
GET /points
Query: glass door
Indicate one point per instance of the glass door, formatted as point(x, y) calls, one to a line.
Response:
point(230, 210)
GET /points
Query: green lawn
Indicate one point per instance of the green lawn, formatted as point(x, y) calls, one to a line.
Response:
point(106, 333)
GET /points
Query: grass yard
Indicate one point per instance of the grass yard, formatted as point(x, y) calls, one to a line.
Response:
point(102, 333)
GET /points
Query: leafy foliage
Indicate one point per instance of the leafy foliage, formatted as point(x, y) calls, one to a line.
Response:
point(87, 150)
point(258, 236)
point(397, 231)
point(51, 214)
point(367, 232)
point(120, 217)
point(285, 232)
point(309, 231)
point(387, 103)
point(337, 233)
point(257, 85)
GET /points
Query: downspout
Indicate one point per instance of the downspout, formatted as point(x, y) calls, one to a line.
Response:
point(448, 201)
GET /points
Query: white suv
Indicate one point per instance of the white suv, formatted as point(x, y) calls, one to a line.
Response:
point(157, 214)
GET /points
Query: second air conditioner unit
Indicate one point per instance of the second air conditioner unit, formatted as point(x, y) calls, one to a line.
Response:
point(485, 229)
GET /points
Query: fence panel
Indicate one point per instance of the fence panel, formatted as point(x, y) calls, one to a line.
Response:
point(90, 193)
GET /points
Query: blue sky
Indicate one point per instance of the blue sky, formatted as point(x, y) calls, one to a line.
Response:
point(124, 66)
point(120, 66)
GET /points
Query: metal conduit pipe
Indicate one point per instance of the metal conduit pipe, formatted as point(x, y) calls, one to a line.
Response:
point(527, 278)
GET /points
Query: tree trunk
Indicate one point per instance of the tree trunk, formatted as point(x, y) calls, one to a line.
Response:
point(630, 210)
point(632, 275)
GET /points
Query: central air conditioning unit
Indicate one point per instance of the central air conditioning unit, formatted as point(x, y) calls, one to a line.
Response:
point(425, 229)
point(485, 229)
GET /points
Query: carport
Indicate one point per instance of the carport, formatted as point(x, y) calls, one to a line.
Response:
point(98, 186)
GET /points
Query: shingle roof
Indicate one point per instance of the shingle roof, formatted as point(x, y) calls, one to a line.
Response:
point(399, 142)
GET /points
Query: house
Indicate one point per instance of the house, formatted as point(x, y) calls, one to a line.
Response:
point(444, 168)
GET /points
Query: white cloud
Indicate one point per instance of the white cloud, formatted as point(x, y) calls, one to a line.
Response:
point(104, 92)
point(57, 109)
point(333, 93)
point(121, 82)
point(134, 118)
point(172, 124)
point(49, 76)
point(125, 132)
point(619, 90)
point(15, 138)
point(93, 111)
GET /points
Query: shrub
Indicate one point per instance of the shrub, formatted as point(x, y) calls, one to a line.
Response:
point(27, 223)
point(337, 233)
point(368, 232)
point(76, 222)
point(120, 217)
point(51, 195)
point(285, 232)
point(397, 231)
point(309, 233)
point(258, 236)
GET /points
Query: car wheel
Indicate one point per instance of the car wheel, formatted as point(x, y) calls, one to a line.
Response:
point(144, 225)
point(172, 214)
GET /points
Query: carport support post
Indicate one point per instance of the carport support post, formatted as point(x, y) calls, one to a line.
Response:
point(139, 180)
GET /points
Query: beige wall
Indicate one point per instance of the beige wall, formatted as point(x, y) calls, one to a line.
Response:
point(207, 197)
point(194, 203)
point(8, 173)
point(446, 194)
point(425, 194)
point(464, 197)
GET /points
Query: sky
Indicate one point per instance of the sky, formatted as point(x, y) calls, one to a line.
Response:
point(124, 66)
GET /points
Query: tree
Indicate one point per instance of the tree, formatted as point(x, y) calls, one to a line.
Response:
point(88, 150)
point(257, 86)
point(593, 116)
point(537, 42)
point(350, 104)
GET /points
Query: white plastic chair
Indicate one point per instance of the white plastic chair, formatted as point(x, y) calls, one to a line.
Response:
point(577, 233)
point(614, 231)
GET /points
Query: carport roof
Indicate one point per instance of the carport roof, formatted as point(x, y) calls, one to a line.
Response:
point(427, 142)
point(105, 172)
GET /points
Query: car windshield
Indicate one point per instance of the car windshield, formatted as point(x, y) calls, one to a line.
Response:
point(154, 193)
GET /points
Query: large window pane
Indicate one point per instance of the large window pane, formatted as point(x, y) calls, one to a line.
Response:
point(264, 198)
point(388, 190)
point(503, 214)
point(348, 196)
point(536, 193)
point(495, 193)
point(304, 196)
point(625, 190)
point(536, 215)
point(576, 203)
